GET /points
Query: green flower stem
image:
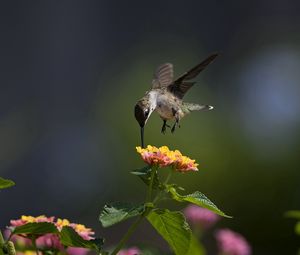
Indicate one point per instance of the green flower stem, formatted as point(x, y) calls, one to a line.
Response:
point(150, 188)
point(127, 235)
point(33, 240)
point(161, 192)
point(198, 232)
point(2, 242)
point(134, 226)
point(168, 177)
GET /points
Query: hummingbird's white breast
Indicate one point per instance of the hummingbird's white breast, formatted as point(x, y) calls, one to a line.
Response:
point(167, 105)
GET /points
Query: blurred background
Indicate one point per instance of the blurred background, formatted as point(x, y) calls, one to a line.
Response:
point(71, 72)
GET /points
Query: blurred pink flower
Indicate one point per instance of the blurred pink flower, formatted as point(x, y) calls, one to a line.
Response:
point(69, 251)
point(44, 241)
point(199, 216)
point(49, 241)
point(77, 251)
point(18, 240)
point(232, 243)
point(130, 251)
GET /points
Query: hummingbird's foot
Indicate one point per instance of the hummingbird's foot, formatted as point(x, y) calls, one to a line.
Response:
point(174, 127)
point(176, 124)
point(164, 127)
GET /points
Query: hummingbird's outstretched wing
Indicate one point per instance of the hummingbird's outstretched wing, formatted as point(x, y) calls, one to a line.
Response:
point(163, 76)
point(181, 85)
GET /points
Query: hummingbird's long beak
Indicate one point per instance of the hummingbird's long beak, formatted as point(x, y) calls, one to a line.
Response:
point(142, 137)
point(142, 114)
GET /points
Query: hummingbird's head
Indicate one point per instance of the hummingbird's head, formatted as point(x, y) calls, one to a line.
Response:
point(143, 109)
point(142, 112)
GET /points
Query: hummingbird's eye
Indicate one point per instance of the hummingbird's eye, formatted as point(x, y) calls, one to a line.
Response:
point(146, 112)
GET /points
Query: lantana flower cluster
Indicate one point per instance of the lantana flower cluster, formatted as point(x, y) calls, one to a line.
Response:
point(164, 157)
point(50, 241)
point(85, 233)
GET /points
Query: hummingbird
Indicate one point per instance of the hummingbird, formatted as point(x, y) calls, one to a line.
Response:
point(166, 96)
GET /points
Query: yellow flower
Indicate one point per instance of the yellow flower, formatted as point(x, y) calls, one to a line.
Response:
point(186, 164)
point(28, 252)
point(164, 157)
point(29, 219)
point(60, 223)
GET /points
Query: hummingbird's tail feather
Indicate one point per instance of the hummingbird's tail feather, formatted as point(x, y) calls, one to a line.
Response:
point(188, 107)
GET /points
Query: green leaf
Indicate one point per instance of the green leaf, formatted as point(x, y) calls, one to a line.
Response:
point(69, 237)
point(195, 247)
point(173, 228)
point(5, 183)
point(142, 171)
point(293, 214)
point(297, 228)
point(196, 198)
point(117, 212)
point(99, 243)
point(36, 228)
